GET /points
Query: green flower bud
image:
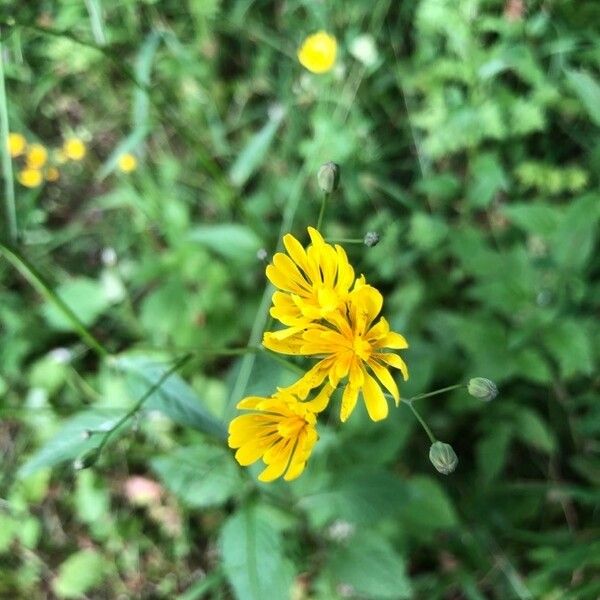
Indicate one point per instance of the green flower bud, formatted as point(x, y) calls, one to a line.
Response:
point(371, 239)
point(443, 457)
point(86, 460)
point(329, 177)
point(482, 388)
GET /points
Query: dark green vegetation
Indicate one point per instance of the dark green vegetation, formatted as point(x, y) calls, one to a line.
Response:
point(469, 141)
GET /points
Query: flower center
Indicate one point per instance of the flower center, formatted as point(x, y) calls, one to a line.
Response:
point(361, 348)
point(291, 427)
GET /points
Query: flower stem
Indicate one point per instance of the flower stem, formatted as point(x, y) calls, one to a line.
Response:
point(10, 212)
point(38, 281)
point(346, 241)
point(435, 392)
point(322, 211)
point(421, 420)
point(180, 362)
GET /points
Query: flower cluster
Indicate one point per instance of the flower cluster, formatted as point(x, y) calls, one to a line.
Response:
point(329, 314)
point(37, 164)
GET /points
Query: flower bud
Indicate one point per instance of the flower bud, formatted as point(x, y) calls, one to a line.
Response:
point(443, 457)
point(329, 177)
point(86, 460)
point(371, 239)
point(482, 388)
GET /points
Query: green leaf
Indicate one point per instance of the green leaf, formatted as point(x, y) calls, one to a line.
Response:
point(568, 341)
point(588, 91)
point(85, 297)
point(371, 566)
point(175, 398)
point(252, 555)
point(492, 451)
point(427, 232)
point(534, 431)
point(429, 508)
point(488, 178)
point(92, 499)
point(70, 441)
point(539, 219)
point(79, 573)
point(254, 153)
point(230, 240)
point(199, 475)
point(143, 69)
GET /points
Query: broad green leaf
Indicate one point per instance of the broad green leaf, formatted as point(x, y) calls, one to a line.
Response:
point(230, 240)
point(492, 451)
point(534, 431)
point(254, 153)
point(70, 442)
point(488, 177)
point(538, 218)
point(569, 342)
point(92, 499)
point(84, 296)
point(588, 91)
point(199, 475)
point(174, 398)
point(371, 567)
point(79, 573)
point(252, 556)
point(427, 232)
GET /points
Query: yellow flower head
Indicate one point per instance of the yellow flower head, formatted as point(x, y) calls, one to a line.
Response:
point(74, 148)
point(52, 174)
point(280, 430)
point(30, 178)
point(16, 144)
point(318, 52)
point(37, 156)
point(127, 163)
point(313, 282)
point(352, 348)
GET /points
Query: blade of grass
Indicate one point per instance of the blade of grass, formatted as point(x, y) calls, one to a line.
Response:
point(39, 282)
point(94, 9)
point(10, 212)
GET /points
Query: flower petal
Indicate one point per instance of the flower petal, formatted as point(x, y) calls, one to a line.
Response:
point(375, 401)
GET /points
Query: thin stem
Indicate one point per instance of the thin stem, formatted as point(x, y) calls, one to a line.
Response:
point(286, 363)
point(10, 212)
point(136, 407)
point(345, 241)
point(422, 421)
point(435, 392)
point(38, 281)
point(322, 211)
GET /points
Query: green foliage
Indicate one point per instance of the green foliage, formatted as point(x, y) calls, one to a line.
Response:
point(467, 134)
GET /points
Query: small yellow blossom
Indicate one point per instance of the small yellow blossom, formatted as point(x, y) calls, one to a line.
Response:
point(318, 52)
point(351, 347)
point(127, 162)
point(74, 148)
point(30, 178)
point(280, 430)
point(313, 282)
point(16, 144)
point(52, 174)
point(37, 156)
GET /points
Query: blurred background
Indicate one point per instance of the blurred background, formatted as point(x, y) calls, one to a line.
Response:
point(161, 151)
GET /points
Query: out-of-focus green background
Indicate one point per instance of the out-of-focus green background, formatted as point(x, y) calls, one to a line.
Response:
point(468, 135)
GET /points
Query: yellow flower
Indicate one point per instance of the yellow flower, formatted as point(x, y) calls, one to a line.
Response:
point(52, 174)
point(127, 163)
point(30, 178)
point(36, 156)
point(351, 347)
point(280, 430)
point(318, 52)
point(16, 144)
point(74, 149)
point(314, 282)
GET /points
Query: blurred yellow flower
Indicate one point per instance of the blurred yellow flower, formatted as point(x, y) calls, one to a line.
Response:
point(37, 156)
point(318, 52)
point(313, 282)
point(280, 430)
point(351, 347)
point(127, 162)
point(74, 149)
point(30, 178)
point(52, 174)
point(16, 144)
